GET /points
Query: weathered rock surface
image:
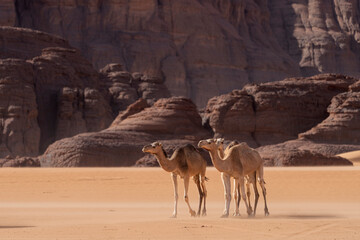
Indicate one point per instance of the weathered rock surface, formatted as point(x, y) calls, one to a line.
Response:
point(50, 91)
point(26, 43)
point(274, 112)
point(321, 36)
point(67, 95)
point(168, 119)
point(19, 162)
point(343, 124)
point(220, 44)
point(19, 129)
point(305, 153)
point(124, 88)
point(7, 13)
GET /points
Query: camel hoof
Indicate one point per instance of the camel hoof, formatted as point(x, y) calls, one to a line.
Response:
point(236, 214)
point(173, 216)
point(193, 213)
point(225, 215)
point(267, 214)
point(204, 214)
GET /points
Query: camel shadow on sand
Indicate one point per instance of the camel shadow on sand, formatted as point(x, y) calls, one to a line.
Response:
point(10, 227)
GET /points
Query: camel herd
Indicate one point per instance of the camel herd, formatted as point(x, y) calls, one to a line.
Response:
point(238, 161)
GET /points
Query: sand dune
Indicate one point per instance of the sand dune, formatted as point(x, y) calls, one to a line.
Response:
point(352, 156)
point(133, 203)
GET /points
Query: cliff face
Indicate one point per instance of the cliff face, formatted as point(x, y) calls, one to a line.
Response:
point(220, 44)
point(49, 91)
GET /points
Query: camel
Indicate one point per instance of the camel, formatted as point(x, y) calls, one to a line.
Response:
point(237, 163)
point(249, 179)
point(186, 162)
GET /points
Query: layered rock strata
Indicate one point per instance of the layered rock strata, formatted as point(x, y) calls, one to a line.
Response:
point(274, 112)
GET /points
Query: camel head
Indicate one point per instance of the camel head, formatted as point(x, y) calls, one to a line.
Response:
point(153, 148)
point(207, 144)
point(220, 143)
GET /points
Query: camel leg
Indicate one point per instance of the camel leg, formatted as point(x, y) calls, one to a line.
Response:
point(253, 180)
point(227, 189)
point(201, 194)
point(243, 195)
point(202, 181)
point(237, 197)
point(175, 184)
point(262, 184)
point(248, 193)
point(186, 189)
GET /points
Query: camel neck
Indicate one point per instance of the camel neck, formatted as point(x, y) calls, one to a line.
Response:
point(219, 164)
point(165, 163)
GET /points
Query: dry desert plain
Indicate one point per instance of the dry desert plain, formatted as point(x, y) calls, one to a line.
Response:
point(135, 203)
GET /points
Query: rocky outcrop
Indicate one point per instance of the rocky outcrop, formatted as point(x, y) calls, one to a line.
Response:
point(174, 116)
point(171, 121)
point(50, 91)
point(19, 129)
point(19, 162)
point(124, 88)
point(67, 96)
point(305, 153)
point(274, 112)
point(343, 124)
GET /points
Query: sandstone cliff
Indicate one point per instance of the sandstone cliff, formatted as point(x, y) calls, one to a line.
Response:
point(220, 44)
point(49, 91)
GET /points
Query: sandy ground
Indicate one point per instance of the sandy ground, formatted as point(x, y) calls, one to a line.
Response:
point(132, 203)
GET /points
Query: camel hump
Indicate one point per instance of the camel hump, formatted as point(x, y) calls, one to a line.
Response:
point(181, 156)
point(190, 147)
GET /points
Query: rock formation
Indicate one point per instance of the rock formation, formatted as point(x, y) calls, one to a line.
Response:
point(274, 112)
point(25, 43)
point(220, 44)
point(49, 91)
point(124, 88)
point(305, 153)
point(172, 121)
point(343, 124)
point(19, 129)
point(19, 162)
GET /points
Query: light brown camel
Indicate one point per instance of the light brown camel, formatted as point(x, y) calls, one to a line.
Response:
point(249, 179)
point(237, 163)
point(186, 162)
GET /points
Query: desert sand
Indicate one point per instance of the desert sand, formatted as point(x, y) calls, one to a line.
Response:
point(135, 203)
point(353, 156)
